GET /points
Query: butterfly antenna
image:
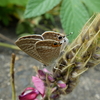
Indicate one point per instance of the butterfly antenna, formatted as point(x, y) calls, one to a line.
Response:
point(70, 33)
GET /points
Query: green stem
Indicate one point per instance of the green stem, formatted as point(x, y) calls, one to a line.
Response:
point(9, 46)
point(12, 76)
point(6, 38)
point(42, 27)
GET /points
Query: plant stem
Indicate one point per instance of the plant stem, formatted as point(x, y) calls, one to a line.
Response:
point(12, 76)
point(6, 38)
point(9, 46)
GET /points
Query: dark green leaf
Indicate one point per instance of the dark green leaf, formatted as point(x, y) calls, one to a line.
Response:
point(23, 28)
point(38, 7)
point(3, 3)
point(73, 16)
point(20, 28)
point(18, 2)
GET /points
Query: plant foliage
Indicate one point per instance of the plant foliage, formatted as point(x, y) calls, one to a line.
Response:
point(10, 9)
point(38, 7)
point(73, 13)
point(4, 3)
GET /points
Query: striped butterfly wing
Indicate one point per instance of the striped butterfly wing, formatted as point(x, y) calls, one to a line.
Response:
point(27, 44)
point(48, 50)
point(53, 35)
point(56, 36)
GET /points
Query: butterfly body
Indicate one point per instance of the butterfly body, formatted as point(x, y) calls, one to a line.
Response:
point(45, 48)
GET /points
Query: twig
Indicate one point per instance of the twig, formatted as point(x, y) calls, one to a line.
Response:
point(12, 76)
point(9, 46)
point(6, 38)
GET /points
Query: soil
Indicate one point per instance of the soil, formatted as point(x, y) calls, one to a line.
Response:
point(88, 87)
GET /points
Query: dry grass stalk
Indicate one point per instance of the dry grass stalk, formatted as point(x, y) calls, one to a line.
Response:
point(82, 54)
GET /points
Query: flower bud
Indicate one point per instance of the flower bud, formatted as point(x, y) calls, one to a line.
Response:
point(29, 94)
point(61, 84)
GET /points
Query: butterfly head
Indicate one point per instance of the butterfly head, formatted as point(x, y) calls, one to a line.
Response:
point(63, 39)
point(55, 36)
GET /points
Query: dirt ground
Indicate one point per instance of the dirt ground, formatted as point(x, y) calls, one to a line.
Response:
point(88, 87)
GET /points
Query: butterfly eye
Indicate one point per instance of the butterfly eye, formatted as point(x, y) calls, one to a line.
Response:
point(60, 37)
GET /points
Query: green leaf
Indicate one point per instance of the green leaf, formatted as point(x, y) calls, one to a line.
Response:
point(24, 34)
point(20, 28)
point(94, 5)
point(73, 16)
point(18, 2)
point(3, 2)
point(23, 28)
point(38, 7)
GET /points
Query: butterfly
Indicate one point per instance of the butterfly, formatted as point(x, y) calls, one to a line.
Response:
point(45, 48)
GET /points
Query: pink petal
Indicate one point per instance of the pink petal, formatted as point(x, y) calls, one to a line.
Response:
point(29, 94)
point(45, 70)
point(41, 74)
point(50, 78)
point(39, 84)
point(61, 84)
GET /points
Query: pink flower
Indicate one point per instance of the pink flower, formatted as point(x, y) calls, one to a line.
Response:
point(42, 74)
point(61, 84)
point(29, 93)
point(39, 84)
